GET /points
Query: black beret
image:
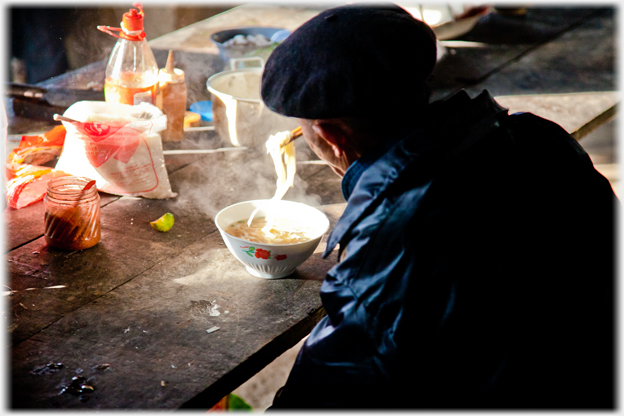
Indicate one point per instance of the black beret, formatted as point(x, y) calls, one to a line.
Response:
point(354, 60)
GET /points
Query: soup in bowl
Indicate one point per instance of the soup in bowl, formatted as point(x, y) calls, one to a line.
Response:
point(282, 235)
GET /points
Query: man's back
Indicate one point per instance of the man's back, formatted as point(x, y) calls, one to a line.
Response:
point(471, 279)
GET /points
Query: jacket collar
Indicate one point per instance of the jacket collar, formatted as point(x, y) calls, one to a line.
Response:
point(450, 126)
point(357, 168)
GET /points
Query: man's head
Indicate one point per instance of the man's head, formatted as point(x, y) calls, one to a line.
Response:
point(356, 62)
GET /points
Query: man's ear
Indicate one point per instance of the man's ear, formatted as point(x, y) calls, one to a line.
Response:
point(333, 133)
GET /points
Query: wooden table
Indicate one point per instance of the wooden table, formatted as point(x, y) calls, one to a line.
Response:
point(130, 315)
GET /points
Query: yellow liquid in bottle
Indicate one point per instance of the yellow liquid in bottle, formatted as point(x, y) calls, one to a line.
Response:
point(124, 90)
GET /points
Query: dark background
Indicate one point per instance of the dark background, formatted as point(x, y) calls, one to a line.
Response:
point(48, 41)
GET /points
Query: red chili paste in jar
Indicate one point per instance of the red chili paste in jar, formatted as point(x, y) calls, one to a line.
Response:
point(72, 213)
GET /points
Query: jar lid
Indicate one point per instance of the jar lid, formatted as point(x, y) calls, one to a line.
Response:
point(176, 76)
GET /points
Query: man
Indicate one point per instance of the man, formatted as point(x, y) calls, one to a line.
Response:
point(476, 249)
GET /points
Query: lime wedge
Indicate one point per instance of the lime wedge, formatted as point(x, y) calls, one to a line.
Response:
point(238, 403)
point(163, 223)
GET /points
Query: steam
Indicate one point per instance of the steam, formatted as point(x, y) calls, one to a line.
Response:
point(219, 180)
point(86, 43)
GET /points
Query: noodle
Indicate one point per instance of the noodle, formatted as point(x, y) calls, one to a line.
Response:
point(278, 231)
point(282, 155)
point(271, 230)
point(285, 165)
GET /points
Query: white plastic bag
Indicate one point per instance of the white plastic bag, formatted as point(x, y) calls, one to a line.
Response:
point(119, 146)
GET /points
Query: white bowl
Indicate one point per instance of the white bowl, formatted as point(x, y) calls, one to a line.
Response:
point(272, 261)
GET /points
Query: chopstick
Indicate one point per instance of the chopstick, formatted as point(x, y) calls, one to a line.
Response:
point(293, 135)
point(58, 117)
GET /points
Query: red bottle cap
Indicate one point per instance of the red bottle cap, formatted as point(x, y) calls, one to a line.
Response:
point(133, 20)
point(131, 25)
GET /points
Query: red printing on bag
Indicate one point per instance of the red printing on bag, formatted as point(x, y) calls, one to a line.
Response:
point(98, 131)
point(106, 140)
point(118, 183)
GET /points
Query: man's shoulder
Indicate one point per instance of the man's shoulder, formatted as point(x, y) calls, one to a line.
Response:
point(544, 139)
point(526, 120)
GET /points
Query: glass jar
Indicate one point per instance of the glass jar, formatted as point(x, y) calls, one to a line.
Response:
point(72, 213)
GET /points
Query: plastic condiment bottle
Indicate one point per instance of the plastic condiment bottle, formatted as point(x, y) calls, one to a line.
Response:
point(173, 90)
point(72, 213)
point(132, 71)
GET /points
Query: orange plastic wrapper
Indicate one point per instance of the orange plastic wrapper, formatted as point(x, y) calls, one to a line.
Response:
point(37, 150)
point(26, 179)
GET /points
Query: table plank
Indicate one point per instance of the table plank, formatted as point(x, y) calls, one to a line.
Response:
point(156, 320)
point(196, 37)
point(575, 112)
point(579, 60)
point(497, 41)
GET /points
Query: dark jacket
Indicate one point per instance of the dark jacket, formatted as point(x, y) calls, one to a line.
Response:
point(476, 271)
